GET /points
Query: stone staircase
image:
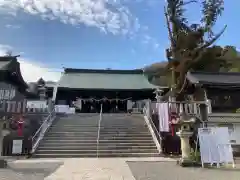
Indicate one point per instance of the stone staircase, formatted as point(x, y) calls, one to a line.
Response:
point(121, 135)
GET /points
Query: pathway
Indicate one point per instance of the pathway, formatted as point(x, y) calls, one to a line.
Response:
point(110, 169)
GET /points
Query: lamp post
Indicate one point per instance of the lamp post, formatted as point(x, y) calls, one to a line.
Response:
point(158, 93)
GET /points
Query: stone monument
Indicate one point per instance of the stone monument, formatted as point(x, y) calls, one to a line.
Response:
point(3, 132)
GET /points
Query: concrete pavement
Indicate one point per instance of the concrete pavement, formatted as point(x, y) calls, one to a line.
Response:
point(80, 168)
point(155, 168)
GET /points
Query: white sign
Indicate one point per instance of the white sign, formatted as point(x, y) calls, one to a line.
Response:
point(215, 146)
point(62, 108)
point(17, 147)
point(37, 104)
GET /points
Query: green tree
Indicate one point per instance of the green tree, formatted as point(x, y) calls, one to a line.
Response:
point(192, 44)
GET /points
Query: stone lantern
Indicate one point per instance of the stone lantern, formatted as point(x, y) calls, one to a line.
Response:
point(158, 93)
point(3, 132)
point(185, 132)
point(41, 89)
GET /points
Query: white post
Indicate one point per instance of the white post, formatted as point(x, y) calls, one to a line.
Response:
point(99, 126)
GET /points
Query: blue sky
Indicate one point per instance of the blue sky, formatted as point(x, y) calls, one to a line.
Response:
point(118, 34)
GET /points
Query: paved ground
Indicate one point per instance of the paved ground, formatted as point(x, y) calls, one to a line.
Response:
point(111, 169)
point(27, 170)
point(170, 171)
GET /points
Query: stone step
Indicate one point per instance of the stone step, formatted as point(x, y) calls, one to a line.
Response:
point(94, 132)
point(102, 143)
point(101, 138)
point(94, 151)
point(72, 135)
point(103, 155)
point(102, 129)
point(100, 147)
point(86, 131)
point(121, 135)
point(96, 126)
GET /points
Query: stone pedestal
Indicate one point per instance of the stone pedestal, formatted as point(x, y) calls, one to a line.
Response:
point(185, 147)
point(3, 132)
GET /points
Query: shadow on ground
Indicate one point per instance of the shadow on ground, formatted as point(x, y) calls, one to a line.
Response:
point(171, 171)
point(29, 171)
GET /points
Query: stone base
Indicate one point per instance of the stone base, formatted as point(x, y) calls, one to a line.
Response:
point(188, 163)
point(3, 163)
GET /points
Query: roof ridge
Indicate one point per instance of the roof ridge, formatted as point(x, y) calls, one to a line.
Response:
point(215, 73)
point(103, 71)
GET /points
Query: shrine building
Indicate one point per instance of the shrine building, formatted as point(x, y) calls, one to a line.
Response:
point(13, 89)
point(108, 87)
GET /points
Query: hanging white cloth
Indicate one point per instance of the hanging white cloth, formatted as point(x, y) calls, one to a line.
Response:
point(163, 116)
point(129, 104)
point(154, 107)
point(79, 104)
point(55, 89)
point(209, 106)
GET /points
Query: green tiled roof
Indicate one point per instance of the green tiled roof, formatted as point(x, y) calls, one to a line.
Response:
point(102, 80)
point(215, 78)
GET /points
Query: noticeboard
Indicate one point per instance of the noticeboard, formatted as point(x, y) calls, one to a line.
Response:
point(215, 145)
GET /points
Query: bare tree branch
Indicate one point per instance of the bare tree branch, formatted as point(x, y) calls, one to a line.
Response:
point(186, 3)
point(207, 44)
point(168, 27)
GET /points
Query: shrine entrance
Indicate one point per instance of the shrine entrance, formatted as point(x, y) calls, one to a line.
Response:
point(92, 105)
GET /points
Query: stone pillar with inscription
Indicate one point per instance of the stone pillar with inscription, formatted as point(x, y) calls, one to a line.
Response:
point(3, 132)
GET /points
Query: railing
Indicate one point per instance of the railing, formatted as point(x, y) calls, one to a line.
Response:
point(99, 126)
point(188, 107)
point(153, 130)
point(42, 130)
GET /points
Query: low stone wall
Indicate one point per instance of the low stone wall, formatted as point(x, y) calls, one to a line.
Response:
point(32, 124)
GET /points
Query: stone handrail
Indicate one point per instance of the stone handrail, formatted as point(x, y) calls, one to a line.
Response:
point(153, 130)
point(99, 127)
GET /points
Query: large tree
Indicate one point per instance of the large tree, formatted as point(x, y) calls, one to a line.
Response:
point(192, 44)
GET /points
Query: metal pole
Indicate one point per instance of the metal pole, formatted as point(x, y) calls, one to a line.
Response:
point(99, 126)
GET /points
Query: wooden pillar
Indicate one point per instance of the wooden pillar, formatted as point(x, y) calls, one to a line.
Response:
point(200, 95)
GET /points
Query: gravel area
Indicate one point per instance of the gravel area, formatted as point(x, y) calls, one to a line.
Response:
point(171, 171)
point(28, 171)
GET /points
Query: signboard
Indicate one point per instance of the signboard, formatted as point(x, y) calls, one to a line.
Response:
point(215, 146)
point(17, 147)
point(37, 104)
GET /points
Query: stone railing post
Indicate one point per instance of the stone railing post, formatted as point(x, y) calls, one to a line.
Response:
point(3, 132)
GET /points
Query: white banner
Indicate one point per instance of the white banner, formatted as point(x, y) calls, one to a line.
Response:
point(215, 146)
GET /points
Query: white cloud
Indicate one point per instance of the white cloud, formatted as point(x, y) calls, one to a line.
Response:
point(12, 26)
point(107, 15)
point(149, 40)
point(32, 71)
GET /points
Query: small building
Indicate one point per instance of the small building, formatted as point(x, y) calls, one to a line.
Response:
point(110, 88)
point(223, 89)
point(13, 89)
